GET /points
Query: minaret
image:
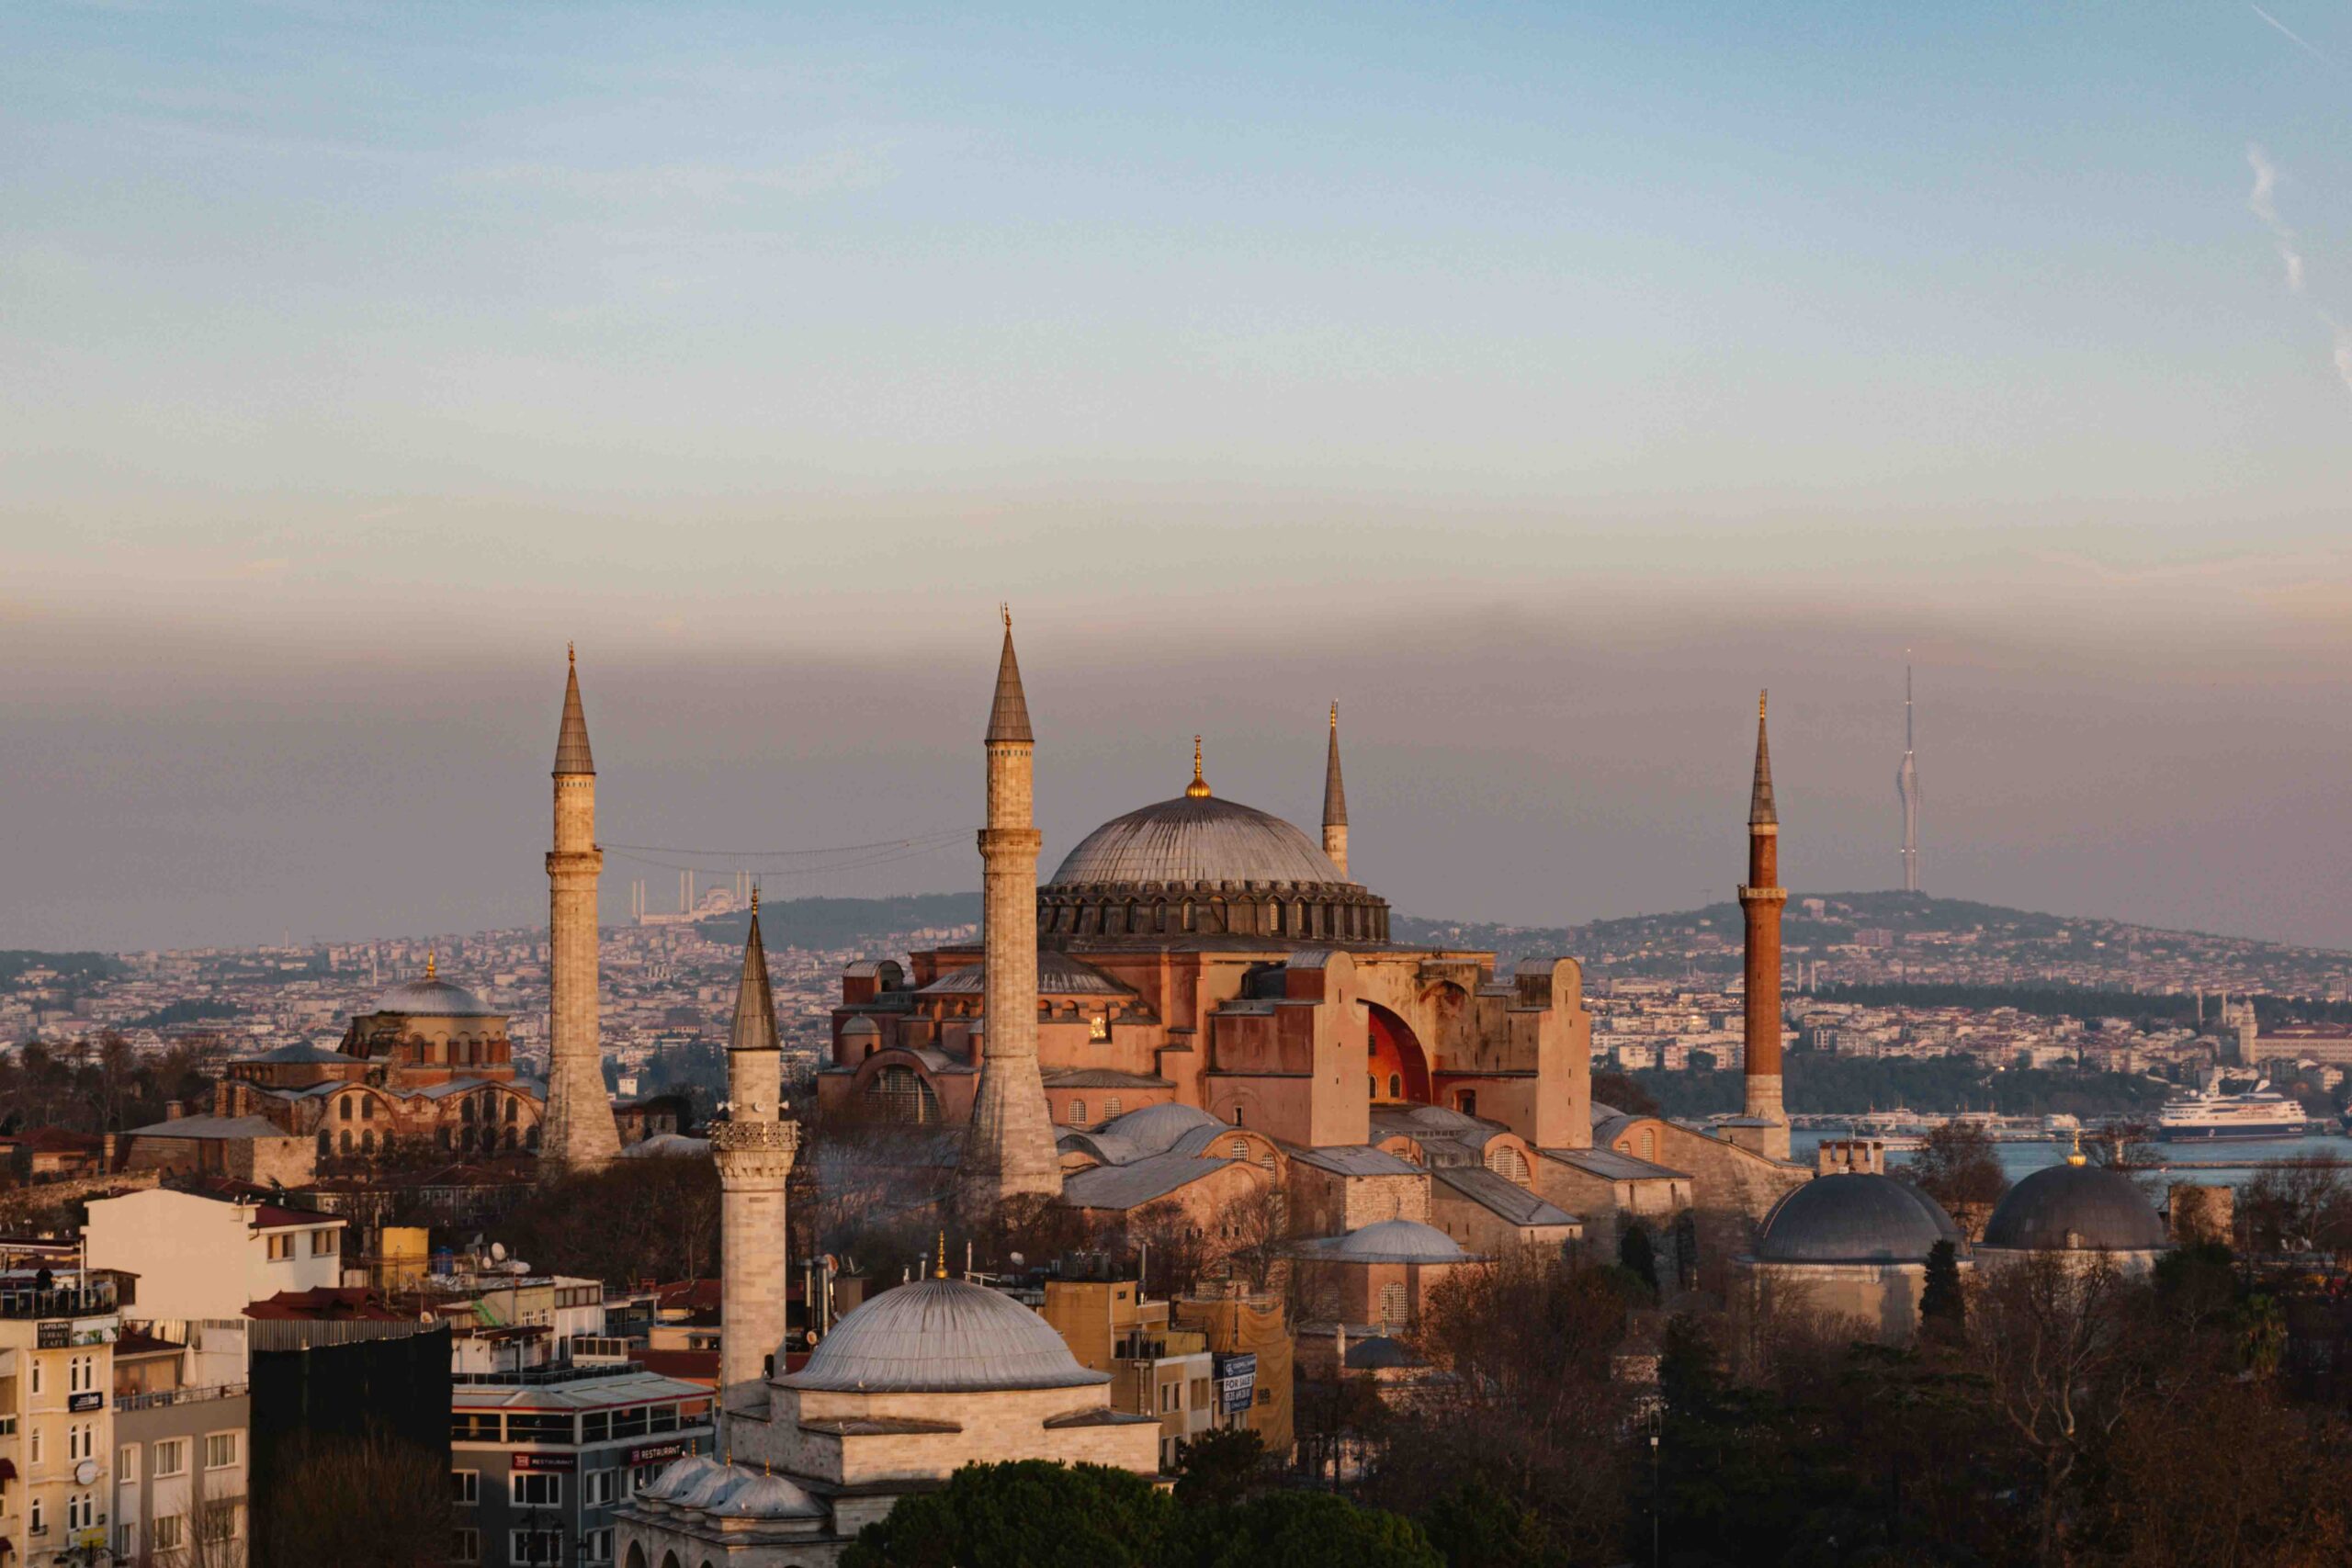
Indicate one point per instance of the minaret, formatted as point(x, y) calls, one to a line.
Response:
point(755, 1149)
point(1335, 802)
point(577, 1131)
point(1906, 789)
point(1009, 1145)
point(1760, 898)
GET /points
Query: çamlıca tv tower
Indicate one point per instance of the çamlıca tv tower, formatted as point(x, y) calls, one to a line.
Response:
point(1906, 788)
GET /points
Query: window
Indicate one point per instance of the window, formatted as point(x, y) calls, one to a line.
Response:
point(217, 1522)
point(1466, 1101)
point(366, 1110)
point(126, 1466)
point(662, 1418)
point(126, 1542)
point(599, 1544)
point(540, 1426)
point(474, 1426)
point(37, 1369)
point(171, 1459)
point(1078, 1113)
point(598, 1487)
point(343, 1108)
point(81, 1511)
point(1507, 1163)
point(465, 1487)
point(629, 1422)
point(346, 1139)
point(1392, 1306)
point(81, 1442)
point(1237, 1116)
point(219, 1449)
point(530, 1489)
point(367, 1142)
point(38, 1515)
point(171, 1532)
point(595, 1426)
point(81, 1373)
point(538, 1546)
point(1098, 1025)
point(465, 1546)
point(34, 1443)
point(281, 1247)
point(326, 1244)
point(1237, 1149)
point(1110, 1109)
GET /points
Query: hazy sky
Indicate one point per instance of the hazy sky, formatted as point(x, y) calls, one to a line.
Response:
point(1537, 382)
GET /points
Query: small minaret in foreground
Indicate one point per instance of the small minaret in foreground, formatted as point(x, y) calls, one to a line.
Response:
point(578, 1131)
point(1760, 898)
point(1335, 802)
point(755, 1149)
point(1009, 1145)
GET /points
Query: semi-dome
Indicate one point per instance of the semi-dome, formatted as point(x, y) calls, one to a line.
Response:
point(1393, 1241)
point(1198, 838)
point(1854, 1217)
point(941, 1337)
point(2075, 1208)
point(431, 998)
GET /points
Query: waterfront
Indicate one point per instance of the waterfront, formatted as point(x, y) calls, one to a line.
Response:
point(2227, 1163)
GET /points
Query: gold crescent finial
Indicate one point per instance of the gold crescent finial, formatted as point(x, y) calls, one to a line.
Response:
point(1004, 608)
point(570, 653)
point(755, 897)
point(2077, 1157)
point(940, 1272)
point(428, 964)
point(1198, 789)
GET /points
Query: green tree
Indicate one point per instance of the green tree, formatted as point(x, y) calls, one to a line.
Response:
point(1476, 1526)
point(1028, 1514)
point(1296, 1529)
point(1944, 1308)
point(1220, 1465)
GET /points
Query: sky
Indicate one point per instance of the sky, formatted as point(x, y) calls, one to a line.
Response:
point(1536, 382)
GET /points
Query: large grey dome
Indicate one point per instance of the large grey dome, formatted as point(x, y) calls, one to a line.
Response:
point(1196, 838)
point(941, 1337)
point(1393, 1241)
point(431, 997)
point(1854, 1218)
point(2075, 1208)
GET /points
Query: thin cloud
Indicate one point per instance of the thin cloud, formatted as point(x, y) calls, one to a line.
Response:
point(2294, 37)
point(2263, 202)
point(848, 168)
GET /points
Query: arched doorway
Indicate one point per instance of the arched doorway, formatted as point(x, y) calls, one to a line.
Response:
point(1400, 1072)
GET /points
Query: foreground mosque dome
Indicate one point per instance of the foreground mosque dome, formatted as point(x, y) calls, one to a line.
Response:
point(1198, 865)
point(1854, 1217)
point(431, 998)
point(941, 1337)
point(2075, 1208)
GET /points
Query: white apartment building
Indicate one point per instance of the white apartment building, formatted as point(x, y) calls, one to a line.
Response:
point(202, 1258)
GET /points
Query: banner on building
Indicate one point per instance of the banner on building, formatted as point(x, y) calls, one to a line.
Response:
point(1237, 1382)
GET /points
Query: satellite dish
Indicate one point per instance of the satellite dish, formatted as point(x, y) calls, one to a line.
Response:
point(498, 1252)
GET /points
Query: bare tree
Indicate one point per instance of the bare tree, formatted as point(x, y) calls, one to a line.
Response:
point(359, 1503)
point(1250, 1228)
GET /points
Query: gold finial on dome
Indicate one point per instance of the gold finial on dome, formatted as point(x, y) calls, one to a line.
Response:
point(940, 1270)
point(755, 897)
point(1759, 703)
point(428, 964)
point(2077, 1157)
point(1004, 608)
point(1335, 716)
point(1199, 788)
point(570, 653)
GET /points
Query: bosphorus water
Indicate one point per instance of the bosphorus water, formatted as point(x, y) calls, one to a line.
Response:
point(2226, 1164)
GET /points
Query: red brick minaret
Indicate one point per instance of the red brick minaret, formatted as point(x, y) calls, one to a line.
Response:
point(1760, 898)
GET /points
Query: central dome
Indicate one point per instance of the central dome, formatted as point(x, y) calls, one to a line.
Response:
point(1198, 838)
point(431, 998)
point(1854, 1217)
point(941, 1337)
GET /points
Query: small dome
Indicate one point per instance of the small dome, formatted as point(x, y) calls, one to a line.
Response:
point(432, 998)
point(941, 1337)
point(1381, 1353)
point(682, 1476)
point(718, 1483)
point(1156, 1129)
point(2075, 1208)
point(1395, 1241)
point(764, 1496)
point(861, 1025)
point(1854, 1217)
point(1198, 838)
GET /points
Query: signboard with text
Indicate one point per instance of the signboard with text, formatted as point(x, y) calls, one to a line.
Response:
point(564, 1462)
point(1237, 1382)
point(652, 1453)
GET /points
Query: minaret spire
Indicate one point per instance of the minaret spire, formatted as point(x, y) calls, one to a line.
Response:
point(1335, 801)
point(754, 1149)
point(1764, 1125)
point(1008, 1143)
point(577, 1131)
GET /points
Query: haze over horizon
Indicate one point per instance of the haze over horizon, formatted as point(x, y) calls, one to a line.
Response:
point(1537, 387)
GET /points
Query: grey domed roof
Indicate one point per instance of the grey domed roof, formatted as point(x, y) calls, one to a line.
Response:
point(767, 1497)
point(682, 1476)
point(941, 1337)
point(1196, 838)
point(1854, 1218)
point(1393, 1241)
point(2075, 1208)
point(717, 1483)
point(432, 998)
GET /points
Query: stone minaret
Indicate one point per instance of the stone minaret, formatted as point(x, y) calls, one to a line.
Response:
point(1009, 1146)
point(754, 1149)
point(1335, 802)
point(578, 1131)
point(1760, 898)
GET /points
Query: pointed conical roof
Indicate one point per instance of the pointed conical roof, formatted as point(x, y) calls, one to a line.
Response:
point(1761, 811)
point(1335, 793)
point(572, 741)
point(1008, 717)
point(754, 1002)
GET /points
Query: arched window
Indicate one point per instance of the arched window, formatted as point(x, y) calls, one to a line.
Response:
point(1078, 1113)
point(1507, 1163)
point(367, 1109)
point(511, 1105)
point(1237, 1149)
point(1274, 916)
point(869, 1048)
point(512, 1136)
point(1465, 1101)
point(466, 1139)
point(899, 1094)
point(531, 1140)
point(441, 1137)
point(1391, 1307)
point(1236, 1113)
point(1110, 1109)
point(326, 1144)
point(367, 1142)
point(1396, 1086)
point(342, 1106)
point(1649, 1145)
point(465, 1109)
point(346, 1139)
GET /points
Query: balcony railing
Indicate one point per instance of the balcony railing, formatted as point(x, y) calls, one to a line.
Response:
point(166, 1396)
point(89, 1301)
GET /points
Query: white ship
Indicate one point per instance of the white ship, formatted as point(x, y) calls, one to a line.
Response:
point(2262, 1112)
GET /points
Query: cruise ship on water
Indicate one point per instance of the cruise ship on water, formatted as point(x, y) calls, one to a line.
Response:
point(2262, 1112)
